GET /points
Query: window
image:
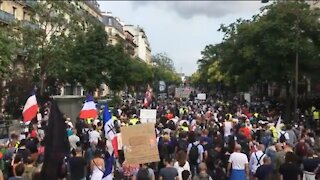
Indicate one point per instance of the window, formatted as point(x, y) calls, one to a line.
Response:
point(110, 22)
point(24, 15)
point(0, 5)
point(14, 11)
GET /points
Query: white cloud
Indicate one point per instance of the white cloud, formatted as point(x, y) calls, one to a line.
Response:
point(189, 9)
point(181, 28)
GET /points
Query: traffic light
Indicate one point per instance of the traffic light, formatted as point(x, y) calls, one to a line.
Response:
point(264, 1)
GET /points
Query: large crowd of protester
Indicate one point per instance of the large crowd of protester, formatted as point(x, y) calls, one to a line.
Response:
point(197, 140)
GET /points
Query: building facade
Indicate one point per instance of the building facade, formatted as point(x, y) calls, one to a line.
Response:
point(130, 45)
point(114, 28)
point(314, 3)
point(143, 49)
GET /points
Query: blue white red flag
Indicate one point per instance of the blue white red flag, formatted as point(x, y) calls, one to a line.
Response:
point(89, 109)
point(110, 134)
point(30, 109)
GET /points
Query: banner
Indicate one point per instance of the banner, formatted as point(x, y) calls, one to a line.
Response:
point(201, 96)
point(140, 144)
point(183, 92)
point(148, 115)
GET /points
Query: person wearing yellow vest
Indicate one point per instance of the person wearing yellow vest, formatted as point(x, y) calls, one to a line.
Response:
point(315, 117)
point(134, 120)
point(274, 132)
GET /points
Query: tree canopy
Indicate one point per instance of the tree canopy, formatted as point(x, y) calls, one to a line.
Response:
point(263, 48)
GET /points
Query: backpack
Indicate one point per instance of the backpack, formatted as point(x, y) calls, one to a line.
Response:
point(143, 174)
point(193, 154)
point(282, 138)
point(182, 145)
point(85, 136)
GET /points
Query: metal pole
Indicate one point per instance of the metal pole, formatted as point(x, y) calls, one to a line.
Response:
point(296, 88)
point(296, 70)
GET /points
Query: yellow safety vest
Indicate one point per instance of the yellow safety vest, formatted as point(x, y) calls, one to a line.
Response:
point(186, 129)
point(114, 118)
point(134, 121)
point(316, 115)
point(17, 145)
point(274, 133)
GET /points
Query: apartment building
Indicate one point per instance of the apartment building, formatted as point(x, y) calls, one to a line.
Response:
point(114, 28)
point(143, 49)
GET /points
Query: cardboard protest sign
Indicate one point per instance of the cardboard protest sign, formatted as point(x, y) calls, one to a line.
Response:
point(148, 115)
point(202, 96)
point(140, 144)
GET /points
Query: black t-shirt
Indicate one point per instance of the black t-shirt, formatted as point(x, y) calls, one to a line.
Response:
point(168, 173)
point(289, 171)
point(77, 167)
point(264, 172)
point(310, 164)
point(25, 153)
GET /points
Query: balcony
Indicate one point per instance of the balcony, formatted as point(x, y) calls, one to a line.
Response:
point(6, 17)
point(29, 24)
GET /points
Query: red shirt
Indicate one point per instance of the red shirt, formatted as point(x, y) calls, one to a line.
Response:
point(33, 134)
point(169, 116)
point(245, 131)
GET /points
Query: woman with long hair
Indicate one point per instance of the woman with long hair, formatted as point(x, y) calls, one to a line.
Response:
point(97, 165)
point(290, 169)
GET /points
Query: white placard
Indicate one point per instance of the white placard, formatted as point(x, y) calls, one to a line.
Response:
point(247, 97)
point(202, 96)
point(148, 115)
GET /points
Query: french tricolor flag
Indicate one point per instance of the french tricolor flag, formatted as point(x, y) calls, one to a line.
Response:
point(30, 109)
point(89, 109)
point(111, 135)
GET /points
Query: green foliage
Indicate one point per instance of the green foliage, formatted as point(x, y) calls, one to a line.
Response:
point(162, 60)
point(88, 59)
point(7, 52)
point(263, 48)
point(163, 70)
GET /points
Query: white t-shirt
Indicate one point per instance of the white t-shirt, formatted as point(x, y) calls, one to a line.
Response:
point(180, 169)
point(94, 136)
point(286, 135)
point(73, 139)
point(227, 128)
point(238, 160)
point(254, 164)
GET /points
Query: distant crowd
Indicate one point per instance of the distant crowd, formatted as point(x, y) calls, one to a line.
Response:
point(197, 140)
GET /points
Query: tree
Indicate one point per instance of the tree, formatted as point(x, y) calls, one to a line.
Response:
point(46, 39)
point(117, 72)
point(162, 60)
point(88, 59)
point(263, 49)
point(163, 70)
point(140, 74)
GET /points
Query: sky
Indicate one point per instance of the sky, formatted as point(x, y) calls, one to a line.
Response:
point(181, 29)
